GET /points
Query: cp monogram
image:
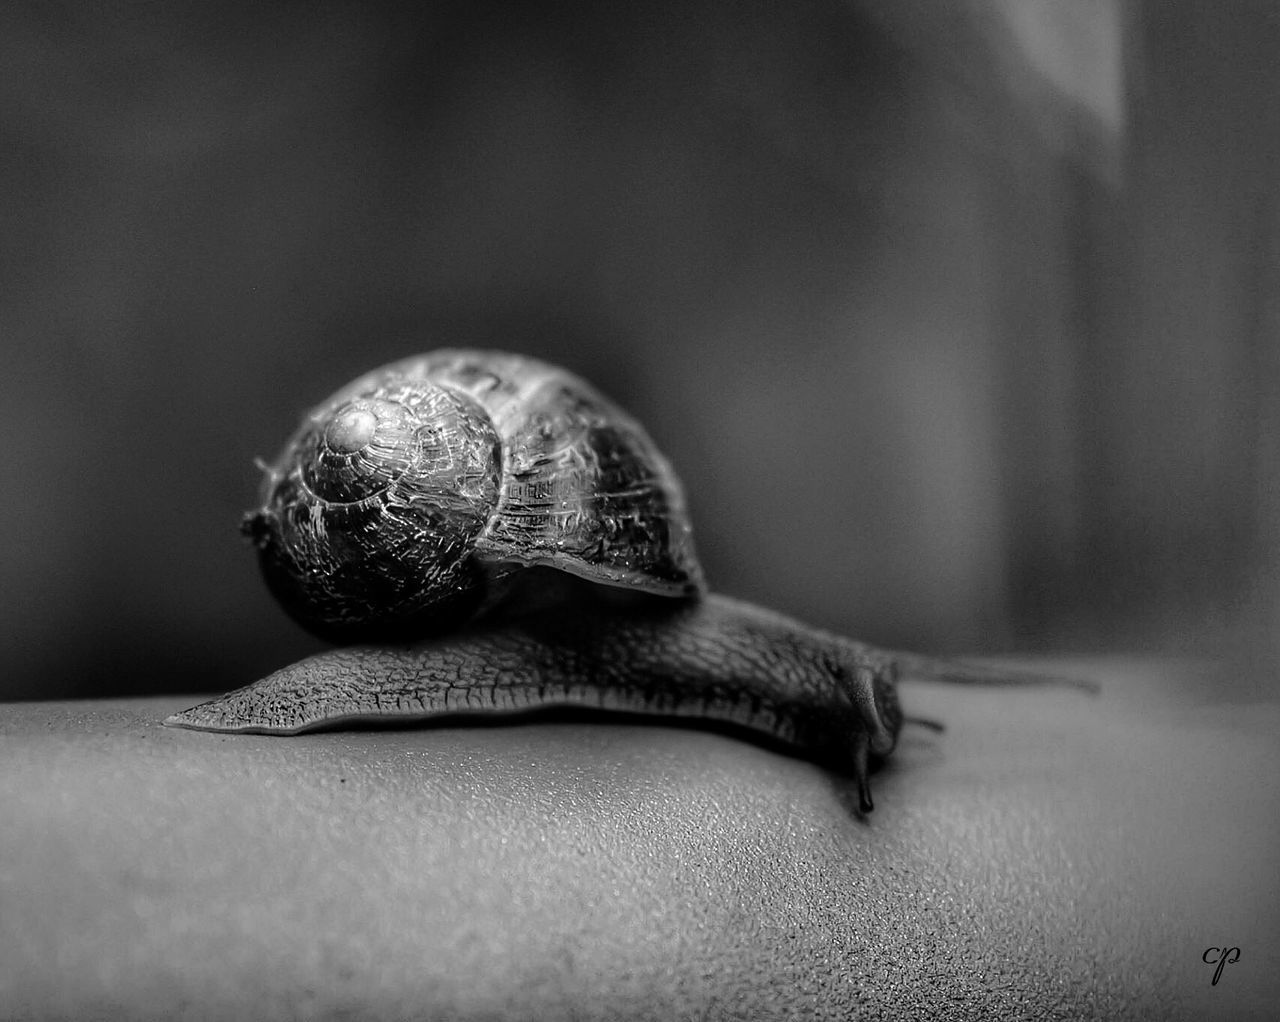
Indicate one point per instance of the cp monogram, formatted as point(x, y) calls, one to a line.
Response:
point(1224, 956)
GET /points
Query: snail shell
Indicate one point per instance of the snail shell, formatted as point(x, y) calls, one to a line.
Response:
point(407, 500)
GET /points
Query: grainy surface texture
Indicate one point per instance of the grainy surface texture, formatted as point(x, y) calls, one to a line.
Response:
point(1051, 856)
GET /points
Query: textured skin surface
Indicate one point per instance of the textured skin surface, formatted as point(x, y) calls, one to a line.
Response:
point(717, 660)
point(1049, 857)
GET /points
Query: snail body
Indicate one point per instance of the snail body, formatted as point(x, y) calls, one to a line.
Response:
point(714, 660)
point(493, 536)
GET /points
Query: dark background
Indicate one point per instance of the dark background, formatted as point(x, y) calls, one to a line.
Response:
point(959, 321)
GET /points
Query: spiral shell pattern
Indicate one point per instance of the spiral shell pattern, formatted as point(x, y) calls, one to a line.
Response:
point(406, 495)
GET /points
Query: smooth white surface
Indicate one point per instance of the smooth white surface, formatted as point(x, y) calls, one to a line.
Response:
point(1050, 856)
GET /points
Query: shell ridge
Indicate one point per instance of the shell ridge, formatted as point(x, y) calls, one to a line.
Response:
point(586, 490)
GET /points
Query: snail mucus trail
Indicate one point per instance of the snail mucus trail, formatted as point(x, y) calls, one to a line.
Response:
point(488, 534)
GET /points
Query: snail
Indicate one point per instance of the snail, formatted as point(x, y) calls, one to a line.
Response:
point(488, 534)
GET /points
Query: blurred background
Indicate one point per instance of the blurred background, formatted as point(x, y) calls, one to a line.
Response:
point(958, 320)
